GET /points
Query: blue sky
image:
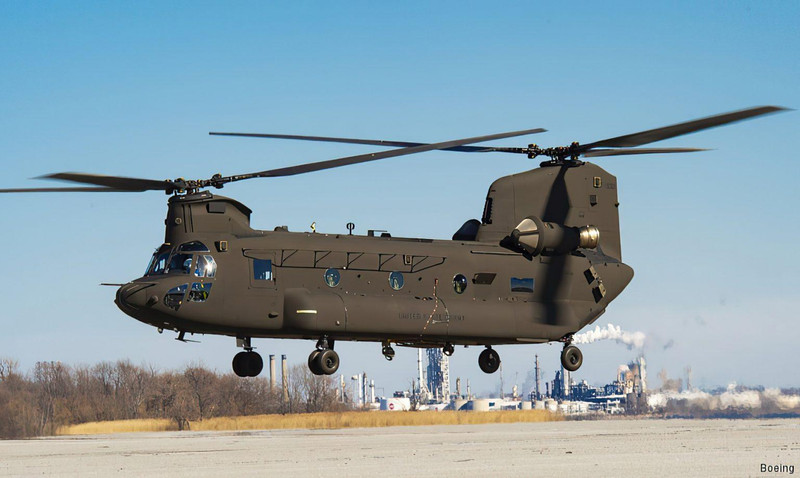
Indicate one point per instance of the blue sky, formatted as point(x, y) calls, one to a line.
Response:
point(132, 89)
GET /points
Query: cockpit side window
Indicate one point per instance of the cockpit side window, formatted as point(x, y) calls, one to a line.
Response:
point(205, 266)
point(180, 263)
point(159, 263)
point(193, 246)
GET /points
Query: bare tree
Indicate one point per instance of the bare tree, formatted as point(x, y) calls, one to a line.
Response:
point(201, 384)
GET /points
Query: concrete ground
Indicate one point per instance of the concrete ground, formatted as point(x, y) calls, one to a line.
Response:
point(574, 448)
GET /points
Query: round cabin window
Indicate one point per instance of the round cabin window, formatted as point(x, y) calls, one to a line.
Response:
point(332, 277)
point(459, 283)
point(396, 280)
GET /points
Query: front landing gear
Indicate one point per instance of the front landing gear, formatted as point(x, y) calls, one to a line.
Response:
point(571, 357)
point(247, 363)
point(324, 360)
point(489, 360)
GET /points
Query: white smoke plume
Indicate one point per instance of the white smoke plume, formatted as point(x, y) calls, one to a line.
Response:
point(611, 332)
point(696, 402)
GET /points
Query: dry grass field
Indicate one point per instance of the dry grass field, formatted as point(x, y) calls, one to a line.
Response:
point(315, 421)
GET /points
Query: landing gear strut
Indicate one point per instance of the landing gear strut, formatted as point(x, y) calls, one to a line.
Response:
point(323, 360)
point(387, 350)
point(247, 363)
point(571, 356)
point(489, 360)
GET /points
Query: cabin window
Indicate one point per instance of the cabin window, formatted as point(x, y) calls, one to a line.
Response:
point(332, 277)
point(262, 269)
point(521, 285)
point(174, 297)
point(459, 283)
point(205, 266)
point(180, 263)
point(199, 292)
point(193, 246)
point(396, 280)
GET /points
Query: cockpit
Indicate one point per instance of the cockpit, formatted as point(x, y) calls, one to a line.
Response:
point(190, 258)
point(179, 260)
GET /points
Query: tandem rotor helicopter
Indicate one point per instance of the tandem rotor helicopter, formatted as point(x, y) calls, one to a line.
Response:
point(543, 261)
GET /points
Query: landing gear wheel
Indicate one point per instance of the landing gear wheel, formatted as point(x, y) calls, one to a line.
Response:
point(312, 362)
point(571, 358)
point(247, 364)
point(388, 352)
point(327, 361)
point(239, 364)
point(489, 360)
point(448, 349)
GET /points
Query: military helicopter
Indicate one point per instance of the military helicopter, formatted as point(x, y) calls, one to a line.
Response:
point(543, 261)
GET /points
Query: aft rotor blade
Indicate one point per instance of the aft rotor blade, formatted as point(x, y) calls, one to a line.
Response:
point(626, 152)
point(114, 182)
point(363, 158)
point(666, 132)
point(67, 190)
point(371, 142)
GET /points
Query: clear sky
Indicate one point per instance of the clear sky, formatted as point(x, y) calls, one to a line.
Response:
point(132, 88)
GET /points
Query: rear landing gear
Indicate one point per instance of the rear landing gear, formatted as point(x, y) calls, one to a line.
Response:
point(387, 351)
point(571, 357)
point(247, 363)
point(489, 360)
point(448, 349)
point(324, 360)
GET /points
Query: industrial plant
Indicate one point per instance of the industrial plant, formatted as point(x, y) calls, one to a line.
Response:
point(627, 394)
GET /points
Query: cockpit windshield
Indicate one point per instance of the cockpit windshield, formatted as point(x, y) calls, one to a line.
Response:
point(180, 263)
point(179, 260)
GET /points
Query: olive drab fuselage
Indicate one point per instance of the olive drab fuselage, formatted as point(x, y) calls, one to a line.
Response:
point(217, 275)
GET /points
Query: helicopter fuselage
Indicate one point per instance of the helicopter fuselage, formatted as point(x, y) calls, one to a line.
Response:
point(216, 275)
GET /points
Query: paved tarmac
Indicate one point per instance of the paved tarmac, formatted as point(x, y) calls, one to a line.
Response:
point(575, 448)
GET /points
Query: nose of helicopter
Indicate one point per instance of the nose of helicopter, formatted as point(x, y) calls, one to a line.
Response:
point(134, 296)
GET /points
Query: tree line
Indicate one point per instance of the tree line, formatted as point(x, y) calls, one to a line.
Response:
point(54, 394)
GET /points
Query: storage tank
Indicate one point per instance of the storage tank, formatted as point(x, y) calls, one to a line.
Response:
point(396, 404)
point(525, 405)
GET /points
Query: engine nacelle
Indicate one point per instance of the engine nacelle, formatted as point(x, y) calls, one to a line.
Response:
point(535, 237)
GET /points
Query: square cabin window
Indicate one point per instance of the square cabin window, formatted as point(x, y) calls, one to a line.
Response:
point(262, 269)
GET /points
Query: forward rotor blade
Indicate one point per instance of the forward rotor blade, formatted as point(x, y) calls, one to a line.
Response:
point(626, 152)
point(66, 190)
point(666, 132)
point(372, 142)
point(363, 158)
point(114, 182)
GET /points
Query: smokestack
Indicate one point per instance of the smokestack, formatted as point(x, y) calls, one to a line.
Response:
point(360, 390)
point(469, 391)
point(272, 373)
point(285, 378)
point(537, 395)
point(372, 391)
point(458, 387)
point(365, 385)
point(341, 388)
